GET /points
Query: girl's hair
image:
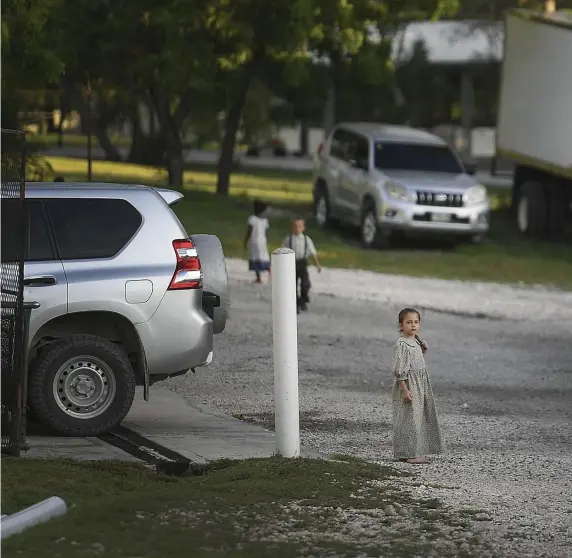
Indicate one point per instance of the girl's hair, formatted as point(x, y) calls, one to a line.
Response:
point(259, 207)
point(406, 311)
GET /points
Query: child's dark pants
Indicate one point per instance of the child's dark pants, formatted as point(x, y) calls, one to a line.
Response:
point(303, 278)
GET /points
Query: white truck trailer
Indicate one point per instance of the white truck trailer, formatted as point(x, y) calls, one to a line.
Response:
point(534, 128)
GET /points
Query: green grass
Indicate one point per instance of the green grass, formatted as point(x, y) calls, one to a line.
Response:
point(505, 257)
point(254, 508)
point(71, 140)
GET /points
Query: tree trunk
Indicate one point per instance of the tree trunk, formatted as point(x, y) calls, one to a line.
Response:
point(99, 125)
point(175, 166)
point(231, 125)
point(51, 125)
point(549, 7)
point(67, 94)
point(101, 132)
point(137, 138)
point(170, 135)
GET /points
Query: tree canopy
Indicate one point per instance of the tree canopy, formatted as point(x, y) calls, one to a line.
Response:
point(187, 62)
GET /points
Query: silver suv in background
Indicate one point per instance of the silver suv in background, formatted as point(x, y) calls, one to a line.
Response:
point(386, 178)
point(127, 298)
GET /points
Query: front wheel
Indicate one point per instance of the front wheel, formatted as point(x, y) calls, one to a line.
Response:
point(81, 385)
point(371, 234)
point(322, 209)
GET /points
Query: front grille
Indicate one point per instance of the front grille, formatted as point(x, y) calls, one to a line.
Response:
point(440, 199)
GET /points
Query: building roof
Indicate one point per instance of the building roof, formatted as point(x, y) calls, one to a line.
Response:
point(451, 42)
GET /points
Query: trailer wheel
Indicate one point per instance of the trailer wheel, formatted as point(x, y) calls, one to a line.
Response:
point(532, 210)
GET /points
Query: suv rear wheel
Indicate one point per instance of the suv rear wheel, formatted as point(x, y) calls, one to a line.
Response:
point(81, 385)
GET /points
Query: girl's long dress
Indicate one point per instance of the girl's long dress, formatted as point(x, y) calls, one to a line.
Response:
point(415, 426)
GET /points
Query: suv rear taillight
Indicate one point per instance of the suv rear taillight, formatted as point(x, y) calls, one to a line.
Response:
point(320, 148)
point(188, 273)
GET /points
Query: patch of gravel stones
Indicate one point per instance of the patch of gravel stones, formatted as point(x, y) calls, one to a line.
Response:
point(503, 388)
point(492, 300)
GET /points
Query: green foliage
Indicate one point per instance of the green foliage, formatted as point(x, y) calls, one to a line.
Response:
point(256, 124)
point(427, 105)
point(29, 58)
point(192, 60)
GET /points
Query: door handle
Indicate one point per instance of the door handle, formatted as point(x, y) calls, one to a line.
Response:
point(40, 281)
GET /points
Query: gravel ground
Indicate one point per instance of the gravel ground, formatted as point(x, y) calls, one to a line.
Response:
point(503, 386)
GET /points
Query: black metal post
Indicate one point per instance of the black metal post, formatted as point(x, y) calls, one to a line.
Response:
point(28, 307)
point(89, 131)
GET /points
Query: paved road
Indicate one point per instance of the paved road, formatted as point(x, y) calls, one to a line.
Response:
point(503, 388)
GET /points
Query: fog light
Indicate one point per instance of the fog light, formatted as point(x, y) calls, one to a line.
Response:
point(390, 213)
point(483, 219)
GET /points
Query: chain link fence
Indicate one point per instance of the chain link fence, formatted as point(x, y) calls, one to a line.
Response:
point(14, 232)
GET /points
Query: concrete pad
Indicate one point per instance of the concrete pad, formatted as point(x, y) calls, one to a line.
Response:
point(197, 431)
point(83, 449)
point(171, 420)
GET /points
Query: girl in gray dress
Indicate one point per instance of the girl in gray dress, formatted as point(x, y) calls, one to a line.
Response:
point(415, 427)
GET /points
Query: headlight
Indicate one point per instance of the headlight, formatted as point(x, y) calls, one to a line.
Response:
point(476, 195)
point(398, 191)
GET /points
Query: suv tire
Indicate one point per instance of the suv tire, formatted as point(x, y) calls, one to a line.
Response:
point(215, 279)
point(322, 208)
point(371, 236)
point(76, 370)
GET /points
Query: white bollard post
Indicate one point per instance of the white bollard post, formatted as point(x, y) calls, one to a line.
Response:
point(285, 337)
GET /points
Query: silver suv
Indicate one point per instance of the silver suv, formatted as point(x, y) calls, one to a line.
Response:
point(394, 178)
point(127, 298)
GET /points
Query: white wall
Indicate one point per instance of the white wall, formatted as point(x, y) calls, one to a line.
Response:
point(291, 137)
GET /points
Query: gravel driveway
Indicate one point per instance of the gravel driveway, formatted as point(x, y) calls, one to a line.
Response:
point(503, 388)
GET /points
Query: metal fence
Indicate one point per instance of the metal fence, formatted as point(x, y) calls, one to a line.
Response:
point(14, 232)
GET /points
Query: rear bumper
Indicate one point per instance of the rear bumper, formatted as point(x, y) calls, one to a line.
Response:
point(179, 336)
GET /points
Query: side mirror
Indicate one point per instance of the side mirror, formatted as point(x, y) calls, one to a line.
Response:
point(361, 164)
point(471, 167)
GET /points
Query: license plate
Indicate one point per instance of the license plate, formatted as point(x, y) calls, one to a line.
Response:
point(441, 217)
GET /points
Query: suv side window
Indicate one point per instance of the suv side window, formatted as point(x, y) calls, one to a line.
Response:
point(361, 154)
point(11, 227)
point(39, 244)
point(92, 228)
point(339, 144)
point(357, 151)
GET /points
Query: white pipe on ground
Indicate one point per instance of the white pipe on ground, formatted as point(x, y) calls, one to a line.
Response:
point(38, 513)
point(285, 339)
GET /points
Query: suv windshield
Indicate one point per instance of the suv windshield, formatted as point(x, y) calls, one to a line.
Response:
point(416, 157)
